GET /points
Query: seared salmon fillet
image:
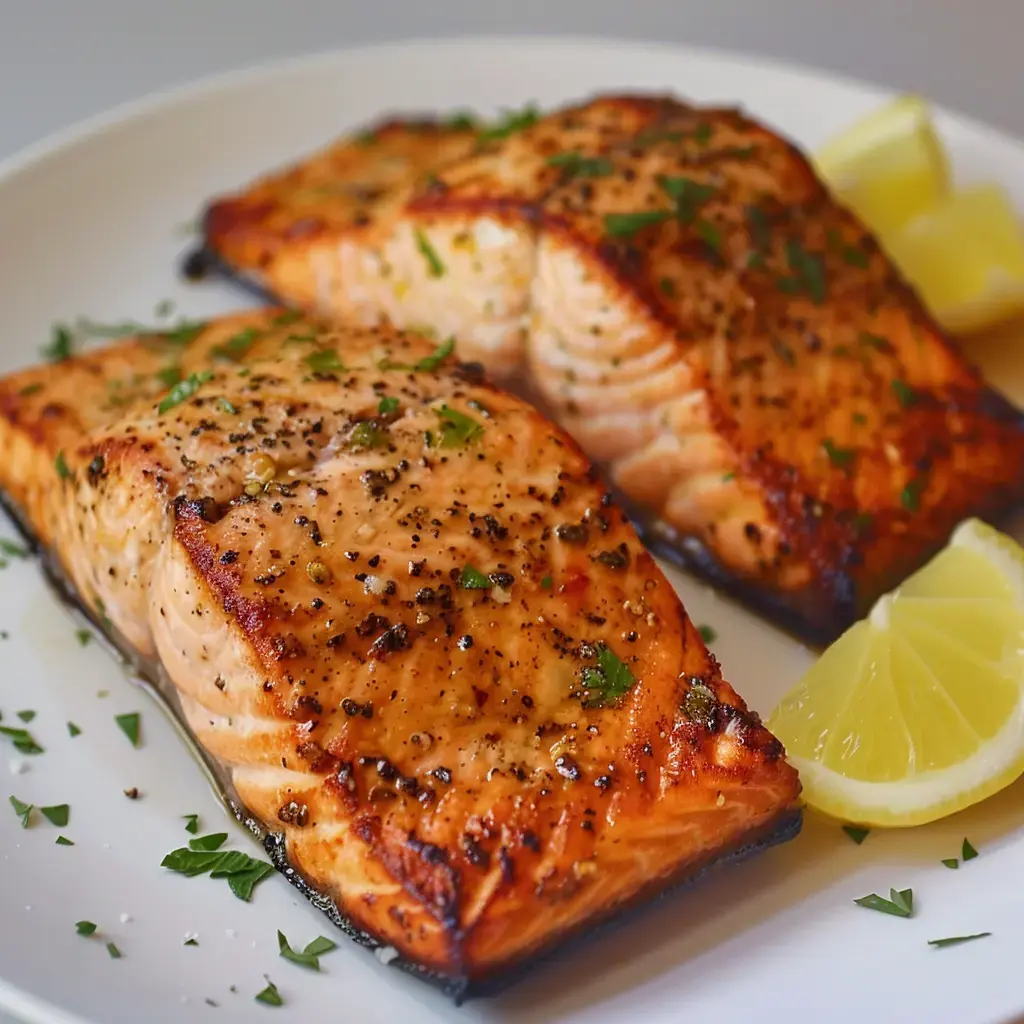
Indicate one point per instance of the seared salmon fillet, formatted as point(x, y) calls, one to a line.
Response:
point(400, 608)
point(680, 292)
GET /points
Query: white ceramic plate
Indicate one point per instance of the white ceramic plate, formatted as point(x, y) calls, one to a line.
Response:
point(90, 224)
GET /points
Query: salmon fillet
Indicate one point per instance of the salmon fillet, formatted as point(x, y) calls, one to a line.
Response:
point(401, 610)
point(678, 290)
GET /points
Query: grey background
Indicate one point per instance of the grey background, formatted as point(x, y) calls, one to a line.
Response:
point(62, 60)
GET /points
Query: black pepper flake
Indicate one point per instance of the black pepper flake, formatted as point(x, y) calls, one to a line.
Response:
point(603, 781)
point(465, 642)
point(567, 767)
point(293, 813)
point(95, 469)
point(475, 853)
point(395, 638)
point(531, 841)
point(229, 557)
point(373, 562)
point(336, 641)
point(617, 558)
point(443, 775)
point(572, 533)
point(416, 567)
point(373, 623)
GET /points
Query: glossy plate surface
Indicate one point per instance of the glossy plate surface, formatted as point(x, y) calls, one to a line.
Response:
point(94, 223)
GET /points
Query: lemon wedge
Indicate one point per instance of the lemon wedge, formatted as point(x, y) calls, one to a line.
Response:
point(966, 258)
point(918, 711)
point(889, 166)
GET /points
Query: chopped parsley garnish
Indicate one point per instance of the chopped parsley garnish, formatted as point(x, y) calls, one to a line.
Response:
point(22, 739)
point(84, 637)
point(73, 730)
point(61, 466)
point(575, 165)
point(237, 345)
point(708, 233)
point(859, 418)
point(910, 496)
point(899, 904)
point(26, 716)
point(130, 725)
point(904, 393)
point(310, 956)
point(461, 121)
point(269, 996)
point(324, 361)
point(546, 582)
point(608, 681)
point(366, 434)
point(183, 390)
point(707, 634)
point(242, 872)
point(841, 458)
point(968, 852)
point(855, 257)
point(23, 810)
point(30, 389)
point(169, 375)
point(191, 823)
point(207, 844)
point(668, 288)
point(473, 579)
point(623, 225)
point(191, 941)
point(457, 429)
point(85, 927)
point(429, 253)
point(875, 341)
point(511, 122)
point(856, 833)
point(289, 316)
point(163, 309)
point(952, 863)
point(64, 841)
point(115, 953)
point(388, 405)
point(436, 358)
point(808, 273)
point(688, 195)
point(757, 225)
point(229, 407)
point(57, 815)
point(61, 347)
point(700, 705)
point(955, 940)
point(13, 550)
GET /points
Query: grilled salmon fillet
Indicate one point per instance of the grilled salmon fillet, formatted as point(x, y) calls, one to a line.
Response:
point(680, 292)
point(400, 608)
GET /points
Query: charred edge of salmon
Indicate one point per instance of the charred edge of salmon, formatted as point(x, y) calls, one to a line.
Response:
point(781, 829)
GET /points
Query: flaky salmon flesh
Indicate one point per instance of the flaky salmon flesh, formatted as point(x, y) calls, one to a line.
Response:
point(398, 605)
point(679, 291)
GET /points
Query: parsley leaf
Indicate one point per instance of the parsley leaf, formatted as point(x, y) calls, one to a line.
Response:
point(434, 265)
point(955, 940)
point(129, 724)
point(473, 579)
point(436, 358)
point(183, 390)
point(511, 122)
point(904, 393)
point(64, 841)
point(23, 810)
point(22, 739)
point(169, 375)
point(242, 872)
point(73, 730)
point(461, 121)
point(875, 341)
point(623, 225)
point(115, 953)
point(575, 165)
point(61, 466)
point(856, 833)
point(237, 345)
point(229, 407)
point(85, 927)
point(899, 904)
point(62, 345)
point(269, 996)
point(707, 634)
point(207, 844)
point(57, 815)
point(910, 496)
point(84, 637)
point(457, 429)
point(608, 681)
point(13, 549)
point(26, 716)
point(191, 941)
point(366, 434)
point(324, 361)
point(952, 862)
point(968, 852)
point(841, 458)
point(688, 195)
point(191, 823)
point(387, 405)
point(808, 273)
point(546, 582)
point(310, 956)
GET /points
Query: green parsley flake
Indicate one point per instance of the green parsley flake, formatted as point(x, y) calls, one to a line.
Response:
point(688, 195)
point(191, 941)
point(84, 637)
point(855, 257)
point(955, 940)
point(60, 464)
point(57, 815)
point(436, 358)
point(904, 393)
point(184, 390)
point(13, 549)
point(429, 253)
point(366, 434)
point(242, 872)
point(310, 956)
point(808, 273)
point(457, 429)
point(899, 904)
point(191, 823)
point(169, 375)
point(130, 725)
point(707, 634)
point(207, 844)
point(875, 341)
point(85, 928)
point(461, 121)
point(968, 852)
point(546, 582)
point(62, 345)
point(229, 407)
point(759, 228)
point(115, 953)
point(22, 739)
point(708, 233)
point(237, 345)
point(952, 863)
point(574, 165)
point(511, 122)
point(910, 496)
point(856, 833)
point(387, 405)
point(64, 841)
point(623, 225)
point(841, 458)
point(269, 996)
point(73, 730)
point(324, 361)
point(474, 579)
point(26, 716)
point(23, 810)
point(610, 680)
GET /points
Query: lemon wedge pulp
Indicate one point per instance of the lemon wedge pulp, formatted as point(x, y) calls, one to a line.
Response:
point(889, 166)
point(966, 258)
point(918, 711)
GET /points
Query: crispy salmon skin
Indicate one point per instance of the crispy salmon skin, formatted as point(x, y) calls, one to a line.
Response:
point(684, 296)
point(400, 608)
